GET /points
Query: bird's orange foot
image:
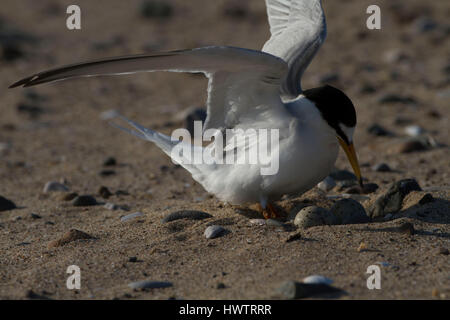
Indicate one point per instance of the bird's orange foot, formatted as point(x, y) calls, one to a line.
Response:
point(269, 212)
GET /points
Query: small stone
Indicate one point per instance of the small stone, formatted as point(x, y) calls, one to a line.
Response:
point(406, 228)
point(69, 196)
point(414, 131)
point(317, 279)
point(109, 162)
point(314, 216)
point(298, 290)
point(109, 114)
point(326, 184)
point(131, 216)
point(382, 167)
point(443, 251)
point(396, 99)
point(257, 222)
point(186, 214)
point(329, 78)
point(424, 24)
point(236, 10)
point(35, 216)
point(104, 192)
point(410, 145)
point(391, 201)
point(107, 173)
point(274, 223)
point(70, 236)
point(151, 9)
point(31, 110)
point(53, 186)
point(132, 259)
point(214, 232)
point(221, 285)
point(6, 204)
point(111, 206)
point(379, 131)
point(149, 284)
point(427, 198)
point(84, 201)
point(349, 211)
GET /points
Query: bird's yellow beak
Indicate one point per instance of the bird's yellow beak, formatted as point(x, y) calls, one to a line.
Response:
point(352, 158)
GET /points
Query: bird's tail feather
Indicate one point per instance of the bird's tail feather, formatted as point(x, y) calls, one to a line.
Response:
point(165, 143)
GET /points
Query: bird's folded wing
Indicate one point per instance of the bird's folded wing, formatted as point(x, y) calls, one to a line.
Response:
point(298, 29)
point(241, 80)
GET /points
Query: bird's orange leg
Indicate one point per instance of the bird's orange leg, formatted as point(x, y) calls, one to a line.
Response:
point(272, 211)
point(263, 211)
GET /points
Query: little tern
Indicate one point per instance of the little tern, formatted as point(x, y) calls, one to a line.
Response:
point(253, 89)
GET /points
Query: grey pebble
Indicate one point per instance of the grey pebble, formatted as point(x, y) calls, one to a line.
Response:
point(381, 167)
point(298, 290)
point(391, 200)
point(317, 279)
point(340, 175)
point(314, 216)
point(214, 232)
point(326, 184)
point(414, 131)
point(111, 206)
point(150, 284)
point(84, 201)
point(53, 186)
point(378, 131)
point(186, 214)
point(257, 222)
point(349, 211)
point(131, 216)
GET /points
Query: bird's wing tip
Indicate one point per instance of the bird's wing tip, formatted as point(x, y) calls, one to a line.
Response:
point(26, 82)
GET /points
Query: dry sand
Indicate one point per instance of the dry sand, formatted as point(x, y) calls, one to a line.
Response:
point(69, 142)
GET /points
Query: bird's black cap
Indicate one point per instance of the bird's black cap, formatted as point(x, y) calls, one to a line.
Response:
point(334, 105)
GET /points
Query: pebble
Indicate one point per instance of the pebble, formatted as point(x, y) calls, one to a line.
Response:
point(132, 259)
point(274, 223)
point(69, 196)
point(109, 114)
point(391, 200)
point(424, 24)
point(111, 161)
point(381, 167)
point(53, 186)
point(107, 173)
point(236, 10)
point(443, 251)
point(409, 145)
point(104, 192)
point(396, 99)
point(329, 78)
point(35, 216)
point(379, 131)
point(257, 222)
point(186, 214)
point(214, 232)
point(156, 9)
point(349, 211)
point(111, 206)
point(84, 201)
point(71, 235)
point(131, 216)
point(406, 228)
point(317, 279)
point(314, 216)
point(6, 204)
point(298, 290)
point(145, 284)
point(326, 184)
point(414, 131)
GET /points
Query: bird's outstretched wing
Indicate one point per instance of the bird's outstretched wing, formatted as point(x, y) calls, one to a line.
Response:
point(298, 29)
point(243, 84)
